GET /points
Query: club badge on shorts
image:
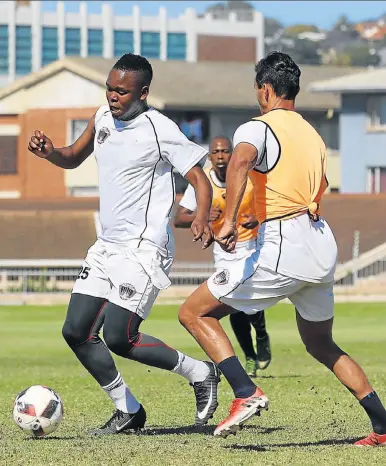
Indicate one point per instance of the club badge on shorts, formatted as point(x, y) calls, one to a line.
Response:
point(126, 291)
point(221, 278)
point(103, 134)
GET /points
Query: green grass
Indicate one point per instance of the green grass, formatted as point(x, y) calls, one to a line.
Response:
point(312, 419)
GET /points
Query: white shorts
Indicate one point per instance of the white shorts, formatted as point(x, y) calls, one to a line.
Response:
point(295, 245)
point(130, 278)
point(223, 260)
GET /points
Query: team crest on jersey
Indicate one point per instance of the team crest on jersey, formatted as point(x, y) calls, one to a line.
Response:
point(222, 277)
point(103, 134)
point(126, 291)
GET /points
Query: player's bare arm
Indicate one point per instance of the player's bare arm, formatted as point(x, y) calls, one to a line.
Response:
point(184, 217)
point(236, 181)
point(203, 189)
point(65, 157)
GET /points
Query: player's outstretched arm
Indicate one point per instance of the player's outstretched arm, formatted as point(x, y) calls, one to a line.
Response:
point(64, 157)
point(236, 181)
point(203, 190)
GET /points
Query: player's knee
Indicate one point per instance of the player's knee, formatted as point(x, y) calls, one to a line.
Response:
point(74, 334)
point(320, 349)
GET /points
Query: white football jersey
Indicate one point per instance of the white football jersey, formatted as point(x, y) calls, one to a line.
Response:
point(136, 186)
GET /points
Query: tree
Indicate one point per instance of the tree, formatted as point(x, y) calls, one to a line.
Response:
point(361, 56)
point(303, 51)
point(272, 27)
point(343, 24)
point(294, 31)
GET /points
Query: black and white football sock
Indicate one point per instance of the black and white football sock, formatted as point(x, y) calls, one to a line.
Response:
point(121, 396)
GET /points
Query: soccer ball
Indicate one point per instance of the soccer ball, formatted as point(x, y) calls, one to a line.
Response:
point(38, 410)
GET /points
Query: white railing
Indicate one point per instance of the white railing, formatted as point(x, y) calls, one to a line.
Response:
point(55, 276)
point(368, 264)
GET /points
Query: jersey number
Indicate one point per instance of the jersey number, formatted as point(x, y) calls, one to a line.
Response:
point(84, 271)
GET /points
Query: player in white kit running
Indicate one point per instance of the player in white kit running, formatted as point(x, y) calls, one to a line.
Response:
point(136, 148)
point(296, 253)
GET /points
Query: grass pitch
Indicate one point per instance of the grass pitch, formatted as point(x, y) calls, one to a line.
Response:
point(312, 419)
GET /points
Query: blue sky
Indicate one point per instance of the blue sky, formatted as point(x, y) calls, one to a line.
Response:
point(321, 13)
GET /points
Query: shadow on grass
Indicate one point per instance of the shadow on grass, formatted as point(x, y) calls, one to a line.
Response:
point(51, 437)
point(329, 442)
point(204, 430)
point(279, 376)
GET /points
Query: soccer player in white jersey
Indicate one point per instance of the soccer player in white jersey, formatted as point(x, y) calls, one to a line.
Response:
point(296, 254)
point(136, 148)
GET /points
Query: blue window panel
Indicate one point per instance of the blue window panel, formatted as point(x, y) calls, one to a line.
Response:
point(150, 44)
point(49, 45)
point(3, 49)
point(23, 50)
point(176, 46)
point(72, 41)
point(123, 43)
point(95, 42)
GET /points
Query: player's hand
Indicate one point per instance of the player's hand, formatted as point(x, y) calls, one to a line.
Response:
point(248, 221)
point(215, 213)
point(227, 237)
point(201, 230)
point(40, 145)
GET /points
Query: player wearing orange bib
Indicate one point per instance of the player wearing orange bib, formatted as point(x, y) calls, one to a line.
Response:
point(220, 153)
point(296, 252)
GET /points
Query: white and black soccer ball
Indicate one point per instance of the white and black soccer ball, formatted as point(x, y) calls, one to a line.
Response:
point(38, 410)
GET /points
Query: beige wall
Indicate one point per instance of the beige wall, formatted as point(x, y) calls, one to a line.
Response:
point(333, 169)
point(62, 90)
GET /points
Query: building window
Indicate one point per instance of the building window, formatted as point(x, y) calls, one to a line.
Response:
point(77, 128)
point(3, 49)
point(123, 43)
point(376, 180)
point(95, 42)
point(49, 45)
point(376, 112)
point(150, 44)
point(176, 46)
point(8, 155)
point(72, 41)
point(23, 50)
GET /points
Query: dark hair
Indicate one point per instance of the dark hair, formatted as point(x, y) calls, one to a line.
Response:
point(137, 64)
point(225, 138)
point(281, 72)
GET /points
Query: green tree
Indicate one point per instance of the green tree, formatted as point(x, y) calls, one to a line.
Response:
point(294, 31)
point(343, 24)
point(361, 56)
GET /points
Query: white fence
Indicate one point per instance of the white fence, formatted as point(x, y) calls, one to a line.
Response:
point(56, 276)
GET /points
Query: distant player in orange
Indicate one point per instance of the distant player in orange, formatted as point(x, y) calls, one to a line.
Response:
point(296, 253)
point(220, 153)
